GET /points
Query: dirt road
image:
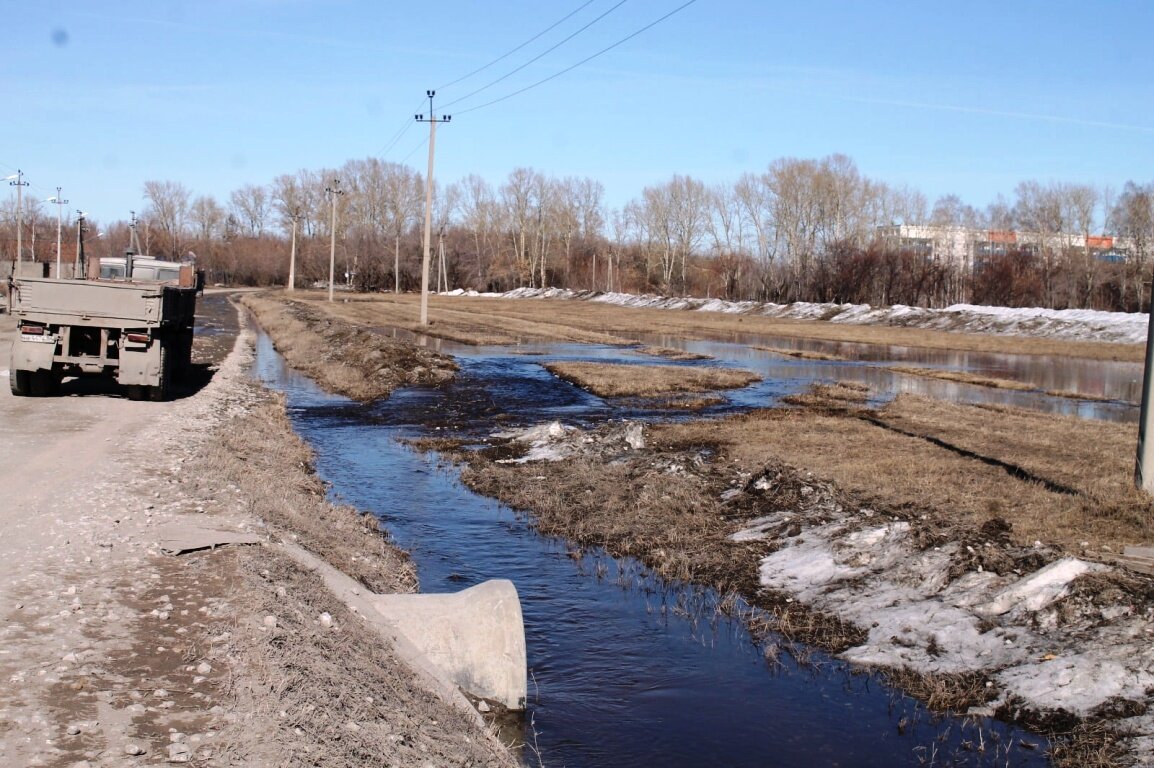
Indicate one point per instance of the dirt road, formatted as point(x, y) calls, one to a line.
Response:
point(87, 485)
point(113, 653)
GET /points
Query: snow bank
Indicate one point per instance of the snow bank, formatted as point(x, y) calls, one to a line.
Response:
point(1066, 324)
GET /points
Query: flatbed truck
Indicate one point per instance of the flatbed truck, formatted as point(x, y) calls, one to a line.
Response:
point(133, 325)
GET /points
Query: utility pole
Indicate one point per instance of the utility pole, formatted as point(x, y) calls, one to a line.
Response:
point(332, 192)
point(78, 267)
point(133, 239)
point(432, 121)
point(1144, 465)
point(292, 280)
point(19, 183)
point(60, 203)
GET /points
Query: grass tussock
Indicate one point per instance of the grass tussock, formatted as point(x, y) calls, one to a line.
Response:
point(963, 378)
point(341, 356)
point(800, 354)
point(943, 692)
point(838, 397)
point(670, 353)
point(618, 380)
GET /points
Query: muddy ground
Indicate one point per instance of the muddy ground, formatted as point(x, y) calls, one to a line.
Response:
point(114, 653)
point(966, 553)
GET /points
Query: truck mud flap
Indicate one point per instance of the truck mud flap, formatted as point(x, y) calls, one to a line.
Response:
point(32, 355)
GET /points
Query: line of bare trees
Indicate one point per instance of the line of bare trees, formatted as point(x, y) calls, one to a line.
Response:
point(801, 230)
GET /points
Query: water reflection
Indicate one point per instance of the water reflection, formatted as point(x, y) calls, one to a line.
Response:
point(1118, 383)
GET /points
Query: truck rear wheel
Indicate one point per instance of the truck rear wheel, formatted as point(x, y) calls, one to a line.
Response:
point(43, 383)
point(20, 382)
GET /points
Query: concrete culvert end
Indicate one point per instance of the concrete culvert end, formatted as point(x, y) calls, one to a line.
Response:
point(475, 637)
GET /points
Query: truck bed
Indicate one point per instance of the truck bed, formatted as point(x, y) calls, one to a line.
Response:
point(102, 303)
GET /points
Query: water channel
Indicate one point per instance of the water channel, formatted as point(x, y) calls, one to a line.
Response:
point(623, 670)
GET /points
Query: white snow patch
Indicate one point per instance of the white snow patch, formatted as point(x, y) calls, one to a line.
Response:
point(1040, 588)
point(1070, 324)
point(544, 442)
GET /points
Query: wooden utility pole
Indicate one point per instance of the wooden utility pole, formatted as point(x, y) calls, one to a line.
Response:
point(292, 277)
point(432, 121)
point(1144, 466)
point(332, 192)
point(19, 183)
point(60, 203)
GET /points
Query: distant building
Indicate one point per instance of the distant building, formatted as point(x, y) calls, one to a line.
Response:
point(966, 248)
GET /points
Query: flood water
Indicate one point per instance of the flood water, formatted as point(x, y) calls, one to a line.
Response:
point(1110, 390)
point(624, 670)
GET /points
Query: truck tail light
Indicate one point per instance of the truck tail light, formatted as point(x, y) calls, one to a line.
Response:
point(32, 330)
point(137, 338)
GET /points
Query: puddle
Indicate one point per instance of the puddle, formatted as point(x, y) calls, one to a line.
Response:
point(623, 670)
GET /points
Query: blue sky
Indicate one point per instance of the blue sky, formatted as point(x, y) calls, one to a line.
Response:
point(967, 98)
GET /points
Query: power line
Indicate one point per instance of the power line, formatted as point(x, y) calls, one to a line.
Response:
point(412, 151)
point(555, 75)
point(409, 123)
point(504, 56)
point(540, 55)
point(392, 142)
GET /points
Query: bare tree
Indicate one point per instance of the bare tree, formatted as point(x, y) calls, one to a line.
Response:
point(207, 218)
point(251, 206)
point(1133, 218)
point(169, 204)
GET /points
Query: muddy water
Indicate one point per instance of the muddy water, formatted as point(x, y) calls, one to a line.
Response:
point(623, 670)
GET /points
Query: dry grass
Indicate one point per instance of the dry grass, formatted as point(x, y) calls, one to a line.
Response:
point(448, 320)
point(632, 511)
point(272, 468)
point(961, 466)
point(672, 354)
point(943, 692)
point(964, 378)
point(341, 356)
point(618, 380)
point(800, 354)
